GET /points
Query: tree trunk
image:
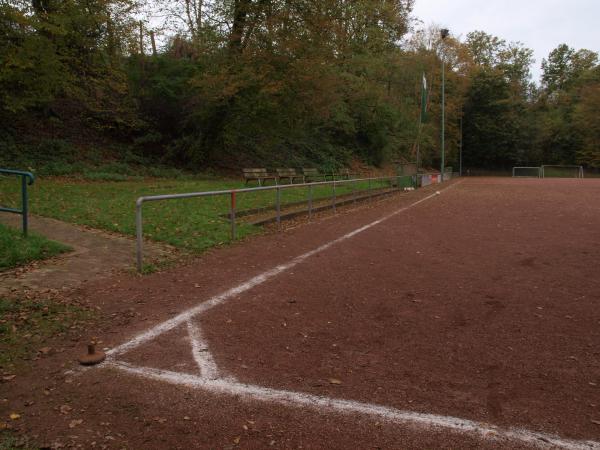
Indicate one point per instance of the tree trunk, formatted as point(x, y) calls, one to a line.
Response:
point(240, 14)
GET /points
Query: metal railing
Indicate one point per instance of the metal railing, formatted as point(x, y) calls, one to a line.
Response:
point(232, 193)
point(27, 178)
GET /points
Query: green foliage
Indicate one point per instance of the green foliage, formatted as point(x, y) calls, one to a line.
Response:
point(492, 122)
point(585, 117)
point(31, 71)
point(267, 96)
point(565, 66)
point(567, 107)
point(10, 441)
point(269, 83)
point(509, 123)
point(16, 250)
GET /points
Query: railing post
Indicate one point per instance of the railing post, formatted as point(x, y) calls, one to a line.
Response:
point(232, 216)
point(334, 210)
point(24, 207)
point(138, 233)
point(310, 201)
point(278, 205)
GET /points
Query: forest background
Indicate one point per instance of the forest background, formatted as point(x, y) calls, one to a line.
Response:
point(225, 84)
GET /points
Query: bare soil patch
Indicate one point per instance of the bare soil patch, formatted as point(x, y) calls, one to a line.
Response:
point(96, 255)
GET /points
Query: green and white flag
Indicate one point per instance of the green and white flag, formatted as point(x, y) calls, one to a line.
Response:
point(424, 100)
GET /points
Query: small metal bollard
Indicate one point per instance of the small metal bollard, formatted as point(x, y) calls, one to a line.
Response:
point(92, 357)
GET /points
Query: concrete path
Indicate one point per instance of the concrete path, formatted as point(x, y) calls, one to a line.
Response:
point(96, 255)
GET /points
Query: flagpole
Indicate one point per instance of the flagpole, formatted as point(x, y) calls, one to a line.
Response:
point(421, 117)
point(444, 34)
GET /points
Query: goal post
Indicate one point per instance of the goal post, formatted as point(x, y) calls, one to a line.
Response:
point(527, 172)
point(562, 171)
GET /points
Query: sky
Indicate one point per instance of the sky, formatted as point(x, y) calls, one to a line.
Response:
point(539, 24)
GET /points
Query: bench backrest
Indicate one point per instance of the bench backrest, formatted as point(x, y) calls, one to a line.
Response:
point(255, 173)
point(286, 172)
point(310, 172)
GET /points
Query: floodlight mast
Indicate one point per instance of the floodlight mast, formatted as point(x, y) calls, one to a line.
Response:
point(444, 33)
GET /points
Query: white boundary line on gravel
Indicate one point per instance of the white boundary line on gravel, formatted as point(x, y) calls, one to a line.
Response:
point(201, 353)
point(210, 380)
point(168, 325)
point(427, 422)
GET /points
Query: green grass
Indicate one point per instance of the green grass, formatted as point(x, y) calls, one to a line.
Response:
point(16, 250)
point(27, 325)
point(192, 224)
point(10, 441)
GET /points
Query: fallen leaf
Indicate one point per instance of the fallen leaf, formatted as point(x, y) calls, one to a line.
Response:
point(45, 350)
point(236, 440)
point(15, 416)
point(596, 422)
point(334, 381)
point(75, 423)
point(8, 377)
point(65, 409)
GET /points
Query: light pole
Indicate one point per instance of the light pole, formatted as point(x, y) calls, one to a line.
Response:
point(443, 34)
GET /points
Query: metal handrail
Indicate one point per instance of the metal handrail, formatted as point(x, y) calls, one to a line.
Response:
point(233, 192)
point(27, 178)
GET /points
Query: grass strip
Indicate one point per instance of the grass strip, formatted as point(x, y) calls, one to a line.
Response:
point(17, 250)
point(191, 224)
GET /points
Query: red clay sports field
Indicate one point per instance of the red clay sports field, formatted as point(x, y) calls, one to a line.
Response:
point(464, 319)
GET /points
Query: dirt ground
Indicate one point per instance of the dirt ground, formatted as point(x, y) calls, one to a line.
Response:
point(469, 320)
point(96, 255)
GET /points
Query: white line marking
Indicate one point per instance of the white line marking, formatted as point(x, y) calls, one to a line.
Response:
point(417, 420)
point(201, 352)
point(255, 281)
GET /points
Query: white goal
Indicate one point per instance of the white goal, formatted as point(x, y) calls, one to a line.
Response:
point(527, 172)
point(561, 171)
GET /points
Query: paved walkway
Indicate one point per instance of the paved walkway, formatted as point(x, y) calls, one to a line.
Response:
point(95, 255)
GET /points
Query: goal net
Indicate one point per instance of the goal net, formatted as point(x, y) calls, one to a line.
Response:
point(527, 172)
point(562, 171)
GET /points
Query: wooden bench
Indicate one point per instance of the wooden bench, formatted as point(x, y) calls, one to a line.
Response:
point(344, 174)
point(259, 175)
point(312, 175)
point(289, 174)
